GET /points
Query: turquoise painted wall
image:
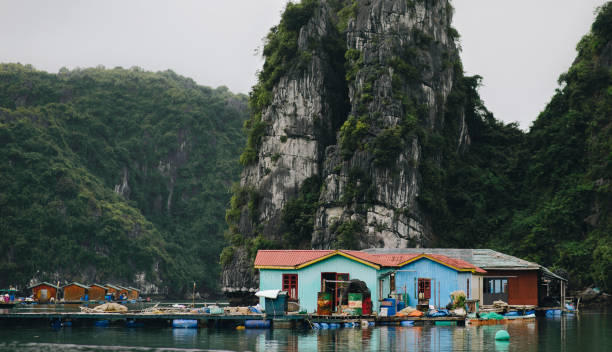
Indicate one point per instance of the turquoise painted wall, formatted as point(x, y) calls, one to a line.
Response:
point(448, 279)
point(309, 279)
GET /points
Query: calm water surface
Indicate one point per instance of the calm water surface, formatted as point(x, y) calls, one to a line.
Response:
point(586, 332)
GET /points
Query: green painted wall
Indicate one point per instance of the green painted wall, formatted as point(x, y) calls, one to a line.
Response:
point(309, 279)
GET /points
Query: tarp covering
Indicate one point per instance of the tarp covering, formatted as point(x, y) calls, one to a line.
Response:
point(268, 293)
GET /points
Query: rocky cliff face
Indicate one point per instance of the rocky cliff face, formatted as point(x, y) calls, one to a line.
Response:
point(348, 117)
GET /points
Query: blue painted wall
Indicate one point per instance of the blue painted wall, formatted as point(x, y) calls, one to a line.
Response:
point(309, 279)
point(448, 279)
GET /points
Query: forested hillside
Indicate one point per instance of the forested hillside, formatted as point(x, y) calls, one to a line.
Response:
point(414, 157)
point(109, 174)
point(564, 217)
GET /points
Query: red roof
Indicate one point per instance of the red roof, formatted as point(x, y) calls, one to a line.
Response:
point(452, 262)
point(297, 258)
point(288, 258)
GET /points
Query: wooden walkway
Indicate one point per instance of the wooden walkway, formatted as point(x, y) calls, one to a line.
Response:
point(208, 319)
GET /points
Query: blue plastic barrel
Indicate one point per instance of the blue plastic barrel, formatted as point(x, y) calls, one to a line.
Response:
point(407, 323)
point(316, 326)
point(257, 324)
point(101, 323)
point(390, 307)
point(324, 325)
point(334, 326)
point(185, 323)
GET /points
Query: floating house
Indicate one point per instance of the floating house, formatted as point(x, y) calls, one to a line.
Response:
point(133, 293)
point(97, 292)
point(43, 292)
point(113, 290)
point(430, 277)
point(75, 292)
point(509, 279)
point(123, 291)
point(304, 273)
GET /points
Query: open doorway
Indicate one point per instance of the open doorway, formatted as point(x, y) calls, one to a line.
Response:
point(336, 284)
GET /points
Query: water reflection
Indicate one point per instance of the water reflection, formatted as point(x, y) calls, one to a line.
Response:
point(587, 333)
point(185, 336)
point(524, 337)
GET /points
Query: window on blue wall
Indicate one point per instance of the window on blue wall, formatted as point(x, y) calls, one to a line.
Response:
point(290, 284)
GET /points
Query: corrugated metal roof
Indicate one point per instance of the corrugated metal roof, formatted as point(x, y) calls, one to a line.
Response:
point(77, 284)
point(487, 259)
point(44, 283)
point(113, 287)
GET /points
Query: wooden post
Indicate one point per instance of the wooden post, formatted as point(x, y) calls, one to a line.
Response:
point(193, 296)
point(562, 295)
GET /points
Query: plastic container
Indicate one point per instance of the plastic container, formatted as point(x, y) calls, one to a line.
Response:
point(277, 306)
point(324, 326)
point(215, 310)
point(324, 303)
point(407, 323)
point(367, 306)
point(389, 303)
point(257, 324)
point(355, 302)
point(185, 323)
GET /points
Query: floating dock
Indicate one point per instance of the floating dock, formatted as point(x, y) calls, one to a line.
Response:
point(210, 320)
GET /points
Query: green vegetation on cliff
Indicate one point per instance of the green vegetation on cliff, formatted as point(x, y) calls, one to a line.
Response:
point(544, 195)
point(111, 172)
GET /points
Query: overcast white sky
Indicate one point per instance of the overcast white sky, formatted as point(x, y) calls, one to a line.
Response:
point(519, 46)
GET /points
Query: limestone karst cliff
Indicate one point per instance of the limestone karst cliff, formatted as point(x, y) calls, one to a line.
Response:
point(349, 94)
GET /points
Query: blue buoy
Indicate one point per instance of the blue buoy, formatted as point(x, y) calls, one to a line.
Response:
point(324, 326)
point(407, 323)
point(101, 322)
point(257, 324)
point(371, 323)
point(334, 326)
point(502, 335)
point(185, 323)
point(316, 326)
